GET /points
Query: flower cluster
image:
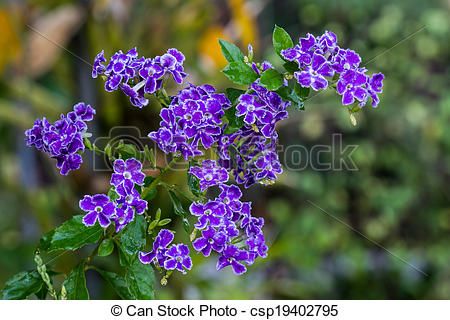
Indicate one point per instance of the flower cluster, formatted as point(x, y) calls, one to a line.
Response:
point(320, 58)
point(228, 228)
point(251, 152)
point(193, 119)
point(170, 258)
point(125, 204)
point(63, 139)
point(137, 76)
point(251, 157)
point(209, 174)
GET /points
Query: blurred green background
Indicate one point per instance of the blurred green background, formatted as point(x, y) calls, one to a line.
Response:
point(399, 197)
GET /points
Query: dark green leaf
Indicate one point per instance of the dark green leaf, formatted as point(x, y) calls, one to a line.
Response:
point(240, 73)
point(194, 185)
point(230, 51)
point(234, 122)
point(281, 40)
point(140, 281)
point(290, 94)
point(291, 66)
point(152, 193)
point(177, 206)
point(118, 283)
point(126, 150)
point(186, 225)
point(132, 238)
point(22, 285)
point(164, 222)
point(75, 284)
point(233, 94)
point(301, 92)
point(271, 79)
point(71, 235)
point(106, 248)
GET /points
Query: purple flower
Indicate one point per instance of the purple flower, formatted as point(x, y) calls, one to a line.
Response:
point(346, 59)
point(320, 58)
point(131, 198)
point(250, 224)
point(210, 213)
point(256, 247)
point(230, 195)
point(269, 166)
point(193, 118)
point(351, 86)
point(98, 67)
point(236, 235)
point(99, 208)
point(136, 95)
point(169, 258)
point(375, 87)
point(62, 140)
point(81, 113)
point(234, 257)
point(210, 240)
point(262, 108)
point(124, 215)
point(158, 253)
point(314, 75)
point(137, 76)
point(250, 156)
point(172, 62)
point(251, 107)
point(209, 174)
point(68, 162)
point(177, 257)
point(127, 173)
point(152, 72)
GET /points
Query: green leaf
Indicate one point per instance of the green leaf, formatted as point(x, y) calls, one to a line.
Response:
point(193, 184)
point(294, 94)
point(152, 193)
point(22, 285)
point(75, 284)
point(152, 226)
point(233, 94)
point(301, 92)
point(118, 283)
point(71, 235)
point(291, 66)
point(234, 122)
point(281, 40)
point(158, 214)
point(112, 194)
point(271, 79)
point(177, 206)
point(132, 238)
point(186, 225)
point(106, 248)
point(127, 150)
point(179, 210)
point(240, 73)
point(164, 222)
point(230, 51)
point(140, 281)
